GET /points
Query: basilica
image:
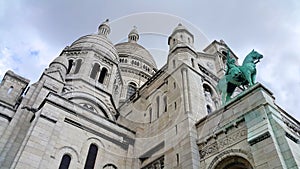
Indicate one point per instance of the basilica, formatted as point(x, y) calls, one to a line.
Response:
point(100, 105)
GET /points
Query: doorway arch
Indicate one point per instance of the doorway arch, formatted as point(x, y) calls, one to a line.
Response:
point(234, 162)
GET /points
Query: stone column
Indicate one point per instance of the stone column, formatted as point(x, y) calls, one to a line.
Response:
point(185, 90)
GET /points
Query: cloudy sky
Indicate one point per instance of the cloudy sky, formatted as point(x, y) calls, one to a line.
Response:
point(32, 33)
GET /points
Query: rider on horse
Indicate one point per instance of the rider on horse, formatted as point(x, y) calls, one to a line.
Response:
point(237, 76)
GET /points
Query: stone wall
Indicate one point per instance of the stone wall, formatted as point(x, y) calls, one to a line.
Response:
point(246, 128)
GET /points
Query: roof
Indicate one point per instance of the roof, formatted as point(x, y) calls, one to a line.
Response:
point(136, 50)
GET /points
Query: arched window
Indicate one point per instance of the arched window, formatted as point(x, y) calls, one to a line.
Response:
point(216, 103)
point(102, 75)
point(150, 113)
point(208, 108)
point(131, 89)
point(10, 89)
point(91, 158)
point(192, 60)
point(207, 92)
point(174, 64)
point(65, 161)
point(78, 65)
point(165, 104)
point(70, 64)
point(207, 88)
point(95, 71)
point(224, 61)
point(109, 166)
point(157, 106)
point(177, 159)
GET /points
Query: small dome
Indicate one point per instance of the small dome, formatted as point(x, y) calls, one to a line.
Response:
point(60, 60)
point(179, 28)
point(134, 49)
point(180, 37)
point(134, 30)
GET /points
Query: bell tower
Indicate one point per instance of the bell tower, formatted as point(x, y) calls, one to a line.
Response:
point(12, 88)
point(181, 47)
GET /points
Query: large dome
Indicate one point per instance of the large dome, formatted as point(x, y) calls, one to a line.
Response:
point(136, 64)
point(136, 50)
point(98, 43)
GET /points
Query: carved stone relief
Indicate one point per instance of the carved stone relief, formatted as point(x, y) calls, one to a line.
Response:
point(157, 164)
point(221, 143)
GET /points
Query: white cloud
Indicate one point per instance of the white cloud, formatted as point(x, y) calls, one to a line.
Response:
point(27, 58)
point(6, 61)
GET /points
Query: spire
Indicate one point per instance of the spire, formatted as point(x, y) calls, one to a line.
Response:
point(133, 36)
point(104, 28)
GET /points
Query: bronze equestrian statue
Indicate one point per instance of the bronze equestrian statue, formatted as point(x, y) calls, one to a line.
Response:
point(238, 76)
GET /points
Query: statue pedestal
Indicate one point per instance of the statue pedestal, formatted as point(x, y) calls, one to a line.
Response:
point(250, 129)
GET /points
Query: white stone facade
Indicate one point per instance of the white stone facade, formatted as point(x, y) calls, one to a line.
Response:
point(107, 106)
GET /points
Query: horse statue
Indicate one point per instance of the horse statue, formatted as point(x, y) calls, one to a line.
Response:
point(238, 76)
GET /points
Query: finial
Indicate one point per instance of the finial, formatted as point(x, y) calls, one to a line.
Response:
point(104, 28)
point(133, 36)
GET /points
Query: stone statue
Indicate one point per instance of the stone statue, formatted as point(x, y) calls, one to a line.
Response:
point(238, 76)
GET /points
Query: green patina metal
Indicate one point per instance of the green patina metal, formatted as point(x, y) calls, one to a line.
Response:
point(238, 76)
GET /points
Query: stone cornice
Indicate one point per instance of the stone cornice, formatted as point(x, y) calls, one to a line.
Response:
point(75, 109)
point(208, 73)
